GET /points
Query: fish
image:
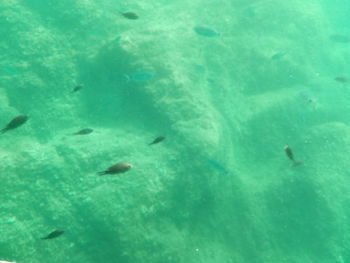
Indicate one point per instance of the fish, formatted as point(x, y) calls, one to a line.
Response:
point(140, 76)
point(3, 261)
point(307, 97)
point(15, 123)
point(278, 55)
point(117, 169)
point(77, 88)
point(84, 131)
point(157, 140)
point(206, 31)
point(53, 234)
point(130, 15)
point(216, 165)
point(9, 70)
point(289, 152)
point(340, 38)
point(341, 79)
point(290, 155)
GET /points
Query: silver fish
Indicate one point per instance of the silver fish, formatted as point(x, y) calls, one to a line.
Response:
point(117, 169)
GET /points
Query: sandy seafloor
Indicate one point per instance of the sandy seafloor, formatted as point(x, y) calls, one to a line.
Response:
point(220, 188)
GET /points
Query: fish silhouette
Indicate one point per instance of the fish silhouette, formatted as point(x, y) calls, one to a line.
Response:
point(15, 123)
point(117, 169)
point(53, 234)
point(130, 15)
point(278, 55)
point(139, 76)
point(216, 165)
point(77, 88)
point(206, 31)
point(157, 140)
point(84, 131)
point(290, 155)
point(341, 79)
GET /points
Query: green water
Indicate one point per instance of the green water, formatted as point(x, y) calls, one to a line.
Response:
point(228, 82)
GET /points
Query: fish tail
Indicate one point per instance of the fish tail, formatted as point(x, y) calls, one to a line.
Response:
point(297, 163)
point(4, 130)
point(102, 173)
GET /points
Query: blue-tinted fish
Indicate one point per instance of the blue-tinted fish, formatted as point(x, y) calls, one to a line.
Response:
point(140, 76)
point(206, 31)
point(278, 55)
point(340, 38)
point(341, 79)
point(216, 165)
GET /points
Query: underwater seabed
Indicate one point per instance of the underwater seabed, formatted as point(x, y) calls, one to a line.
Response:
point(229, 85)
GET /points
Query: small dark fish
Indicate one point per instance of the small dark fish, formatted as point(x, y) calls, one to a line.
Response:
point(130, 15)
point(77, 88)
point(289, 152)
point(53, 234)
point(340, 38)
point(117, 169)
point(206, 31)
point(157, 140)
point(15, 123)
point(341, 79)
point(290, 155)
point(84, 131)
